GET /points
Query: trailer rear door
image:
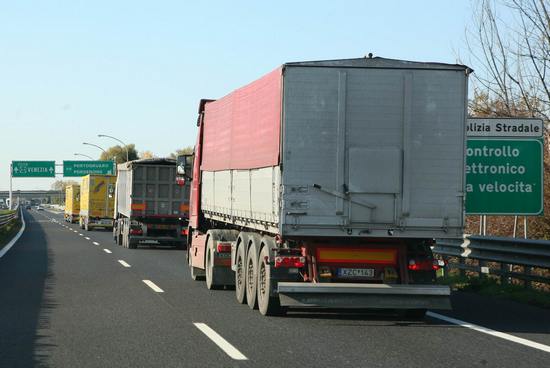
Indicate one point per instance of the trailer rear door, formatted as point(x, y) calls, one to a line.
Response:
point(373, 149)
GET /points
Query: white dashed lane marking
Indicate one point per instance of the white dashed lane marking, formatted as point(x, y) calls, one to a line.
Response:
point(221, 342)
point(124, 263)
point(152, 285)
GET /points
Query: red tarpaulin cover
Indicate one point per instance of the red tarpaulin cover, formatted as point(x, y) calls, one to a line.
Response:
point(242, 129)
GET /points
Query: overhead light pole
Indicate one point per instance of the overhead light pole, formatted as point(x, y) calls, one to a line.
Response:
point(118, 140)
point(94, 145)
point(81, 154)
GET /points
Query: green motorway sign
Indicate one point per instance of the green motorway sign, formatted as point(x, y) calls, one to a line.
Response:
point(504, 176)
point(33, 169)
point(81, 168)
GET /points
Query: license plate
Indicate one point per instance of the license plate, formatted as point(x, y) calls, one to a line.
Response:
point(355, 272)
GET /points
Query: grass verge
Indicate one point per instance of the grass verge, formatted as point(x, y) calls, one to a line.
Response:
point(491, 287)
point(8, 232)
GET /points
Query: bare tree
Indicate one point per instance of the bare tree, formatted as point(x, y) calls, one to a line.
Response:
point(512, 56)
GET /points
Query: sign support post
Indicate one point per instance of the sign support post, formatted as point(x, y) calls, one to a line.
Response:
point(11, 179)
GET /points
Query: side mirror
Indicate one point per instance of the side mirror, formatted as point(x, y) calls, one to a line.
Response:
point(184, 168)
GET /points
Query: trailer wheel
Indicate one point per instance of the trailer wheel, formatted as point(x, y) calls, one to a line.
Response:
point(115, 228)
point(123, 237)
point(267, 304)
point(252, 275)
point(240, 274)
point(210, 269)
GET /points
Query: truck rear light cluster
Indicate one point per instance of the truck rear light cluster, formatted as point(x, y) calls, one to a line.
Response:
point(224, 247)
point(286, 261)
point(184, 231)
point(425, 265)
point(136, 232)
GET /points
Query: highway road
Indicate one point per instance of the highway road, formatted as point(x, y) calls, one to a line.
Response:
point(70, 298)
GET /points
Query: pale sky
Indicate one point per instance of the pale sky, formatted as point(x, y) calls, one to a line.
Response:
point(70, 70)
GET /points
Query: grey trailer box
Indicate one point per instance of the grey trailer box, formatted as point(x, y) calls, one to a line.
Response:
point(148, 187)
point(370, 147)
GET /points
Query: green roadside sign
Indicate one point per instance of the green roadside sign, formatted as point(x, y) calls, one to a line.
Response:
point(33, 169)
point(504, 176)
point(81, 168)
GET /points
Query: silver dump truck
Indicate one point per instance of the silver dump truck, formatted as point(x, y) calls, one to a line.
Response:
point(325, 183)
point(150, 207)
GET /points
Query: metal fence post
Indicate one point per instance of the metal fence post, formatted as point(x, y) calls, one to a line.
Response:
point(481, 264)
point(504, 268)
point(527, 272)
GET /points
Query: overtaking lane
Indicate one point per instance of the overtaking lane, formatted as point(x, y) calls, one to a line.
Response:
point(66, 303)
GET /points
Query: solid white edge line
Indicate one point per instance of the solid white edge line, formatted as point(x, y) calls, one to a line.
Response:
point(95, 243)
point(220, 341)
point(15, 238)
point(152, 285)
point(491, 332)
point(124, 263)
point(107, 250)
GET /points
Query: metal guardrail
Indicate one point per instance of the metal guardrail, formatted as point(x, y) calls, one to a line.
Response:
point(506, 251)
point(6, 218)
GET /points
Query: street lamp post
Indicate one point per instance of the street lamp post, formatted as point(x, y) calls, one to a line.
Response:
point(94, 145)
point(118, 140)
point(83, 155)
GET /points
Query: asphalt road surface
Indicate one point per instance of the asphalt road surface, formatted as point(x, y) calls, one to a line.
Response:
point(70, 298)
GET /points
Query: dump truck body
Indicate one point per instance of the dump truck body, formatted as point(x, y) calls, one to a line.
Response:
point(151, 208)
point(97, 195)
point(72, 203)
point(334, 172)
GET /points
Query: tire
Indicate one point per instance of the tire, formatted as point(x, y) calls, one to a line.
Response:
point(115, 237)
point(267, 305)
point(132, 244)
point(240, 273)
point(124, 239)
point(252, 274)
point(210, 269)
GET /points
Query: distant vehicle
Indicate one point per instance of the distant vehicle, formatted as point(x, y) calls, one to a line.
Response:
point(97, 199)
point(28, 207)
point(72, 203)
point(151, 208)
point(39, 208)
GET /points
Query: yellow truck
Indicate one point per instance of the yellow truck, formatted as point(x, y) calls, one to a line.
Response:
point(97, 199)
point(72, 203)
